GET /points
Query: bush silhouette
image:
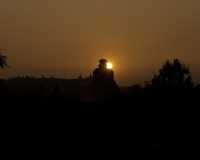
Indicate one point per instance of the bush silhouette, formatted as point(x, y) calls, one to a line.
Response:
point(174, 78)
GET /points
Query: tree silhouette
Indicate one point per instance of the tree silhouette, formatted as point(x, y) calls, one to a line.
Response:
point(3, 62)
point(174, 77)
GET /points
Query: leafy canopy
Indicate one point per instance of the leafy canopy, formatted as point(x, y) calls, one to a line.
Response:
point(3, 61)
point(173, 75)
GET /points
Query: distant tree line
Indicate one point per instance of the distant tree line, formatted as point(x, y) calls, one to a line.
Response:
point(173, 81)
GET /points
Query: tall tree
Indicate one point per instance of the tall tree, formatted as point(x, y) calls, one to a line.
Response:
point(173, 77)
point(3, 61)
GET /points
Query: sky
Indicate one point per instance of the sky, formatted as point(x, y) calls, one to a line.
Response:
point(66, 38)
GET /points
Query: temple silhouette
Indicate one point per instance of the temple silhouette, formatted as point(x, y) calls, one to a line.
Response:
point(49, 83)
point(103, 86)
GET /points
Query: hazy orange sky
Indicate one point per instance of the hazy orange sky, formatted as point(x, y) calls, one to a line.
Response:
point(64, 38)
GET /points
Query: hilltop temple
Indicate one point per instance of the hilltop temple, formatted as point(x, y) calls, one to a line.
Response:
point(103, 86)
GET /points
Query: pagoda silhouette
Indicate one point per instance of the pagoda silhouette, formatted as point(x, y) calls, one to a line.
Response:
point(103, 87)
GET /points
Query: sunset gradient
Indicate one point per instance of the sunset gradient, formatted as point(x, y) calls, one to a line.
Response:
point(66, 38)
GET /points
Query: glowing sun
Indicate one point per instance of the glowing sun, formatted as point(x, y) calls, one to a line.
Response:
point(109, 65)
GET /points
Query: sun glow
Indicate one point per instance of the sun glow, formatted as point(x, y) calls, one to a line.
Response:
point(109, 65)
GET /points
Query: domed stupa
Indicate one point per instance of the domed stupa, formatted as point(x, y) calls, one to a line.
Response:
point(104, 77)
point(103, 86)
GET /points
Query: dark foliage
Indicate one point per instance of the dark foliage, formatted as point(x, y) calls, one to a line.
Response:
point(3, 61)
point(173, 78)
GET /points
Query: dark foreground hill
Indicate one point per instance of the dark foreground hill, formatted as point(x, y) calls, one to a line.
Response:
point(141, 126)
